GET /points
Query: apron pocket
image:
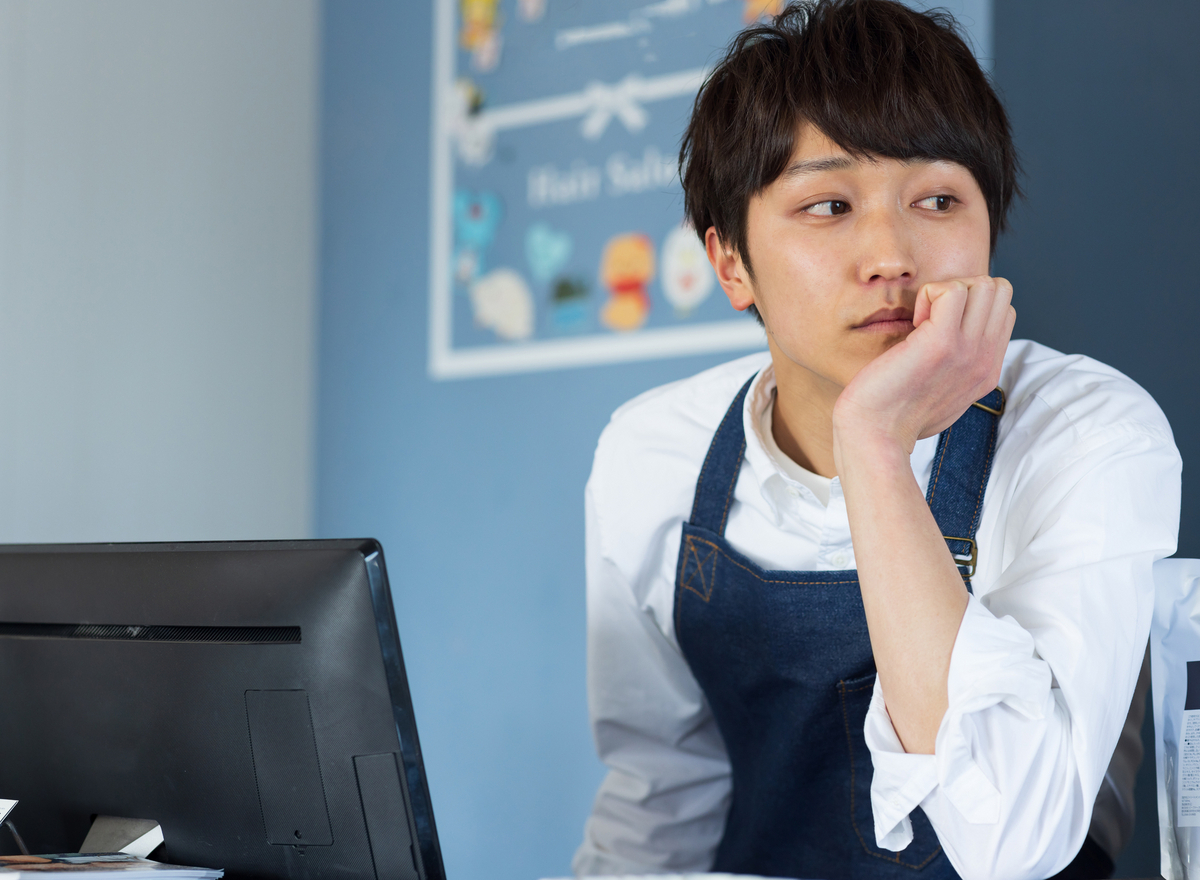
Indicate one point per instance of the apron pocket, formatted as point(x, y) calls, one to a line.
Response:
point(925, 849)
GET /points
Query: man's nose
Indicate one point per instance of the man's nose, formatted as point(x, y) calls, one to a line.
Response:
point(884, 247)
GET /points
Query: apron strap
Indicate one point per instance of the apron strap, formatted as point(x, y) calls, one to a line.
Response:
point(961, 466)
point(719, 474)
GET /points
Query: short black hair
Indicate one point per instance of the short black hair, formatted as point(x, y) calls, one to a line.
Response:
point(877, 78)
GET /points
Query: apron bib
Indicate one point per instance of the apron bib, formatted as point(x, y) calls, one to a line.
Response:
point(784, 659)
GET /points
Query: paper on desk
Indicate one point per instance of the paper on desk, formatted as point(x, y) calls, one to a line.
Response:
point(6, 808)
point(100, 866)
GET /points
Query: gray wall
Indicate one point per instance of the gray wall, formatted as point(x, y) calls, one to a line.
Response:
point(157, 269)
point(1104, 97)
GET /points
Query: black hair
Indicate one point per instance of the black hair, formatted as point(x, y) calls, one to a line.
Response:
point(876, 77)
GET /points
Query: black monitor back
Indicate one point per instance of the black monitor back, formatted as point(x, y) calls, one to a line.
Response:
point(250, 697)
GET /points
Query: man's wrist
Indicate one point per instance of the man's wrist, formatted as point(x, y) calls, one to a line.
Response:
point(867, 448)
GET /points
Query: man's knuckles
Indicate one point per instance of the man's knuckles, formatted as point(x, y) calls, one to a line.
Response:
point(975, 287)
point(934, 290)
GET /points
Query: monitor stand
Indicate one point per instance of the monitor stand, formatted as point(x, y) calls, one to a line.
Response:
point(138, 837)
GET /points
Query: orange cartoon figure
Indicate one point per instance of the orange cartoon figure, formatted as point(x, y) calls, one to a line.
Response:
point(481, 32)
point(626, 268)
point(478, 22)
point(756, 9)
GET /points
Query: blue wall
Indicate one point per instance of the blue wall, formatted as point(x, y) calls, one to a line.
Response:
point(474, 487)
point(1103, 100)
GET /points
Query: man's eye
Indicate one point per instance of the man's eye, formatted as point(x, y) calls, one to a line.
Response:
point(829, 208)
point(937, 203)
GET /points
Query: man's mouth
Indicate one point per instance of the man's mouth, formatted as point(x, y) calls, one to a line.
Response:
point(887, 321)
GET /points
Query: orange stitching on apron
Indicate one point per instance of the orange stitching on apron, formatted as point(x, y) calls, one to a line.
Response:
point(729, 494)
point(945, 449)
point(690, 551)
point(708, 456)
point(842, 690)
point(780, 580)
point(986, 473)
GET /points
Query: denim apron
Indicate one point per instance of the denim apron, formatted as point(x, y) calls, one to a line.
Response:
point(785, 661)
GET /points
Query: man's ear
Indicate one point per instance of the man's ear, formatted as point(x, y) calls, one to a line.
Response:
point(731, 272)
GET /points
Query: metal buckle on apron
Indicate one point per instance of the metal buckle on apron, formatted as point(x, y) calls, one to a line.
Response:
point(995, 412)
point(964, 560)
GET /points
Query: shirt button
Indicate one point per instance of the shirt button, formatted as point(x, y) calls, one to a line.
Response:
point(840, 560)
point(793, 491)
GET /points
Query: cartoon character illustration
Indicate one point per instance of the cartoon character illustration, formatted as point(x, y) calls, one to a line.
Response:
point(502, 301)
point(476, 218)
point(471, 95)
point(687, 277)
point(570, 299)
point(756, 9)
point(626, 269)
point(474, 137)
point(531, 10)
point(481, 32)
point(547, 251)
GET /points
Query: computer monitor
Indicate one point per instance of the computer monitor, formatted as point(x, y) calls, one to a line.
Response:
point(249, 696)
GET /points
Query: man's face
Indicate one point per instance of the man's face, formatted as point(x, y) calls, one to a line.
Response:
point(841, 246)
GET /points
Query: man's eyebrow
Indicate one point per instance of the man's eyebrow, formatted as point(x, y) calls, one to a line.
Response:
point(816, 166)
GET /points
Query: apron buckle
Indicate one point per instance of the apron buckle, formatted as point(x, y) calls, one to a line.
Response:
point(965, 560)
point(996, 411)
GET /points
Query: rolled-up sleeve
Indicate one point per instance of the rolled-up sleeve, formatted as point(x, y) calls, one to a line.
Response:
point(1045, 662)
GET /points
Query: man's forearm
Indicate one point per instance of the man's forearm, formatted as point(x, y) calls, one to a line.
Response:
point(912, 592)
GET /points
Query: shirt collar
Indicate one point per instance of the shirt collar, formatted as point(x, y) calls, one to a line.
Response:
point(771, 477)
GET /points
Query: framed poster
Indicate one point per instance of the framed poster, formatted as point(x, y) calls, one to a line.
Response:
point(557, 235)
point(556, 211)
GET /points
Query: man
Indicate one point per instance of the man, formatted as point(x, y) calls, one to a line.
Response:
point(874, 603)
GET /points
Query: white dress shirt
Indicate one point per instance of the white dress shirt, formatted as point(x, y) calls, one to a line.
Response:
point(1083, 497)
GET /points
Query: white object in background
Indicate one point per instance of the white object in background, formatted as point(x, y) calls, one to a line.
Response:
point(1174, 647)
point(1188, 814)
point(109, 834)
point(6, 808)
point(687, 276)
point(502, 301)
point(146, 844)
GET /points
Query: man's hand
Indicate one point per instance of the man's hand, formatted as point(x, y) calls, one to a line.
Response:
point(952, 358)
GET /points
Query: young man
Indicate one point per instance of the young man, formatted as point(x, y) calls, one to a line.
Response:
point(873, 604)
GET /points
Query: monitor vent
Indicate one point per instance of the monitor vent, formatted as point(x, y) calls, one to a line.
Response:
point(235, 635)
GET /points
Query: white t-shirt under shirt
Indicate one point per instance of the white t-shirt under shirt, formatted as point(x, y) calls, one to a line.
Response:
point(1083, 497)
